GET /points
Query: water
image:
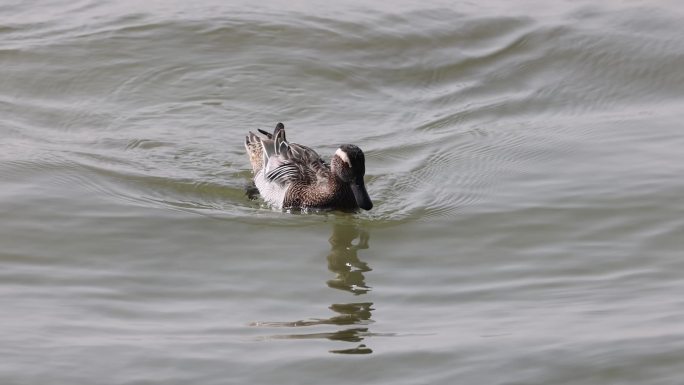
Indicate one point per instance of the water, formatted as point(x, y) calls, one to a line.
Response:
point(525, 160)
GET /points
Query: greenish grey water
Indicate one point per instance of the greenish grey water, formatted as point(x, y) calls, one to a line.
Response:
point(525, 161)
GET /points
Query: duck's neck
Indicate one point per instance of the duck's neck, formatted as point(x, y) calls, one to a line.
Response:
point(341, 194)
point(335, 184)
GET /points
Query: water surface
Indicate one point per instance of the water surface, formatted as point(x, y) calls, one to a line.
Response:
point(525, 162)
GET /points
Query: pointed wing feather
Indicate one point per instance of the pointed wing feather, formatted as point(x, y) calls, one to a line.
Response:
point(266, 133)
point(278, 127)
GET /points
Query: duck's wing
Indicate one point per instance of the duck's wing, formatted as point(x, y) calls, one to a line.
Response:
point(291, 162)
point(279, 127)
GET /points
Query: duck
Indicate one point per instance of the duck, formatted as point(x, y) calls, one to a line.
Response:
point(293, 176)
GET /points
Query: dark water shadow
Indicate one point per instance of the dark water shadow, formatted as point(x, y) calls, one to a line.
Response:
point(349, 270)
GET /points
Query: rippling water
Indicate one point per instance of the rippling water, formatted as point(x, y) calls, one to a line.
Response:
point(525, 160)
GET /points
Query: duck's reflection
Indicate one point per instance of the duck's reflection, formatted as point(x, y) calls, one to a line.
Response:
point(344, 262)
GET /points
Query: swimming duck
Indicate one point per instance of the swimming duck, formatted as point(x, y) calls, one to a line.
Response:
point(290, 175)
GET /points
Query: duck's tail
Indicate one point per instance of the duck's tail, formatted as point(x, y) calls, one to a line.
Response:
point(255, 150)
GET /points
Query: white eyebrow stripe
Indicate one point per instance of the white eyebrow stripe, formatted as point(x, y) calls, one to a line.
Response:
point(343, 156)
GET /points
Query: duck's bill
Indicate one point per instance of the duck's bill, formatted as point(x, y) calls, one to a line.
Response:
point(361, 195)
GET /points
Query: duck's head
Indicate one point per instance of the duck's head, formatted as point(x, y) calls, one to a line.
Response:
point(349, 164)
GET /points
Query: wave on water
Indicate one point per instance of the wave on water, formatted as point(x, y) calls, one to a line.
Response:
point(445, 103)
